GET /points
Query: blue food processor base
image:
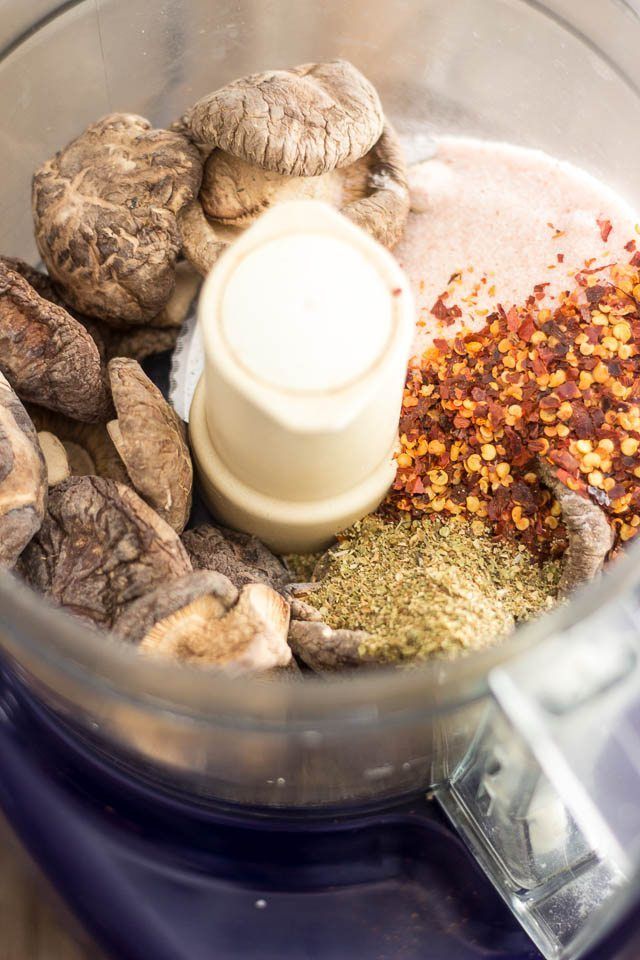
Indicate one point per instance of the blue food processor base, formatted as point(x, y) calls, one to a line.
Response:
point(151, 874)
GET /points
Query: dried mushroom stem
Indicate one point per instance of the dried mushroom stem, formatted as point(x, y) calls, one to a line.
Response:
point(105, 211)
point(47, 356)
point(176, 600)
point(252, 636)
point(99, 548)
point(40, 282)
point(590, 535)
point(55, 457)
point(23, 484)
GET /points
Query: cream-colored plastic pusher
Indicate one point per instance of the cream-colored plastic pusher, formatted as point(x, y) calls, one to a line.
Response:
point(307, 324)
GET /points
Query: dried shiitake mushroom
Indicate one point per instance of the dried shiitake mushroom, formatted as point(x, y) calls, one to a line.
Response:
point(372, 192)
point(239, 556)
point(268, 143)
point(99, 548)
point(134, 341)
point(203, 593)
point(324, 649)
point(151, 440)
point(589, 532)
point(301, 122)
point(163, 332)
point(105, 212)
point(252, 636)
point(43, 285)
point(47, 356)
point(40, 282)
point(23, 479)
point(88, 446)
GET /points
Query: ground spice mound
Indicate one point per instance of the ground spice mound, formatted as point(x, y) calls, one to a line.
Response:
point(562, 384)
point(425, 588)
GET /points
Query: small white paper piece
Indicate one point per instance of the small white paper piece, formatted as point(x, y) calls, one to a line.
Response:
point(187, 364)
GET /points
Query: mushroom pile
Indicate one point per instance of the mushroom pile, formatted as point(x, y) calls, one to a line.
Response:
point(96, 475)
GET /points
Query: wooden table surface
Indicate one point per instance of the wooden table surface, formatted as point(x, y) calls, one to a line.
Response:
point(32, 925)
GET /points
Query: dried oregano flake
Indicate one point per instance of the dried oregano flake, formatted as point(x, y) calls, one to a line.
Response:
point(427, 588)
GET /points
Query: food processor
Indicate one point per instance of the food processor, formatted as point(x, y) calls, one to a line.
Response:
point(485, 807)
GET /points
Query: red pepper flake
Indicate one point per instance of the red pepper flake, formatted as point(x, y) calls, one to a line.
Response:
point(596, 293)
point(396, 292)
point(560, 258)
point(526, 328)
point(605, 229)
point(444, 313)
point(568, 391)
point(440, 310)
point(532, 382)
point(566, 460)
point(630, 246)
point(635, 259)
point(513, 320)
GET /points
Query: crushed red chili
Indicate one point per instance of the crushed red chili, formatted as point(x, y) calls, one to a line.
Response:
point(561, 383)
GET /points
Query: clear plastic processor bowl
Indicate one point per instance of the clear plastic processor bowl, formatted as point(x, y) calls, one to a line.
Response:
point(563, 76)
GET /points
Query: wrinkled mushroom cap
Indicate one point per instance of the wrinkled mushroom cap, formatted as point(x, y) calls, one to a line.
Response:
point(47, 356)
point(151, 440)
point(300, 122)
point(99, 548)
point(239, 556)
point(40, 282)
point(23, 481)
point(252, 636)
point(162, 334)
point(105, 212)
point(171, 598)
point(125, 341)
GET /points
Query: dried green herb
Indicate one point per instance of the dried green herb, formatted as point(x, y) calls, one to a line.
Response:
point(428, 588)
